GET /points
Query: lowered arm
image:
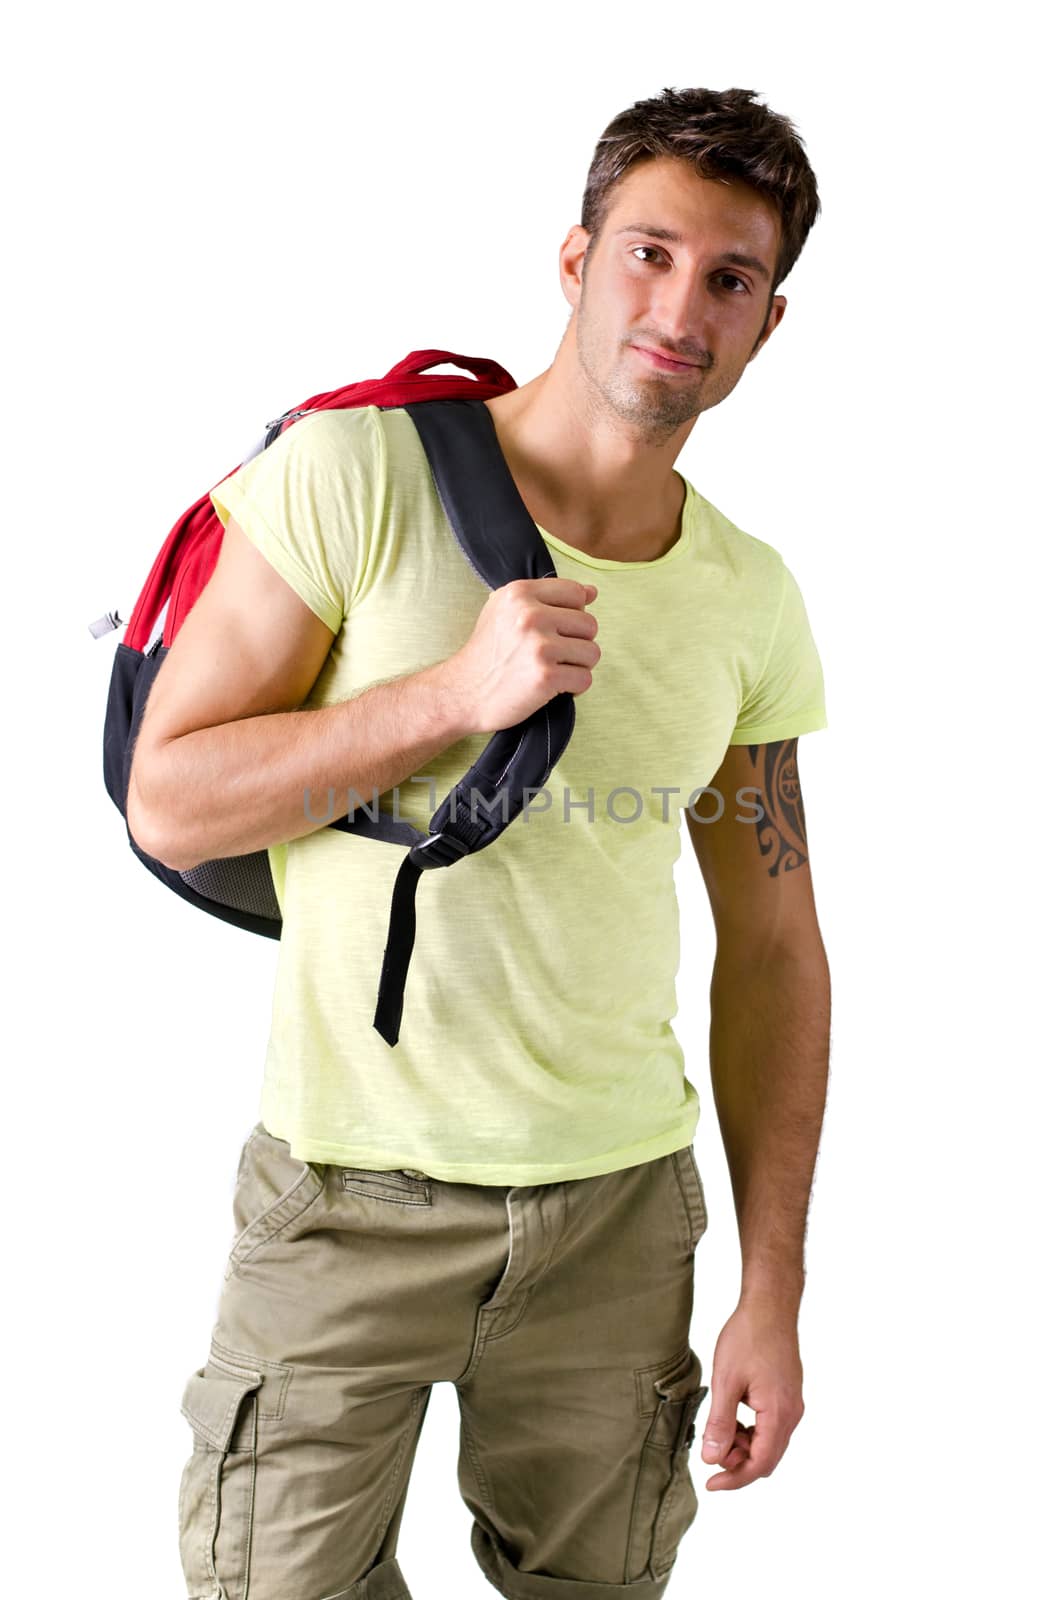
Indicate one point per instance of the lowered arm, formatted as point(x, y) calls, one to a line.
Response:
point(770, 1004)
point(769, 1035)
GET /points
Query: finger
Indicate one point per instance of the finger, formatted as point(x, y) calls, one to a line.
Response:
point(741, 1448)
point(767, 1444)
point(738, 1478)
point(720, 1431)
point(735, 1476)
point(741, 1441)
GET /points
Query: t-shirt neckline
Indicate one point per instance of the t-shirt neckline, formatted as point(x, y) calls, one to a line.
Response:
point(678, 548)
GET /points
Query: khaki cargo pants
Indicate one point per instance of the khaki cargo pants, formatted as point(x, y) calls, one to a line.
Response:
point(561, 1312)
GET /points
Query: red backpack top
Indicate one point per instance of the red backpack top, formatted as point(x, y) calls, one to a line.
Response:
point(189, 555)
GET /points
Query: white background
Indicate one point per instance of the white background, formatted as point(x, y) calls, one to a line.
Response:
point(214, 213)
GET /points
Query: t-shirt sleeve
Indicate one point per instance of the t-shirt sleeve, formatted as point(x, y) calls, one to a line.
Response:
point(788, 698)
point(307, 503)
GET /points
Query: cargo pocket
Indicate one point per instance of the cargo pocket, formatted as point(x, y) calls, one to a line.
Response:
point(665, 1502)
point(216, 1508)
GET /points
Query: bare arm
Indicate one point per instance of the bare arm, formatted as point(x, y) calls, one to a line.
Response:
point(223, 758)
point(769, 1036)
point(770, 1006)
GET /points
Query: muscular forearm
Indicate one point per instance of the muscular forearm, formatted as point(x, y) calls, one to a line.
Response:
point(244, 785)
point(769, 1041)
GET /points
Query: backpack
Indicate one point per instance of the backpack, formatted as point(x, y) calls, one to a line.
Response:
point(498, 536)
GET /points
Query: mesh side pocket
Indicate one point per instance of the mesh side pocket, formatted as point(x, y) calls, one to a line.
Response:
point(244, 882)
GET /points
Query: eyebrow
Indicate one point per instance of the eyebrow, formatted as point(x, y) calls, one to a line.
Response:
point(734, 258)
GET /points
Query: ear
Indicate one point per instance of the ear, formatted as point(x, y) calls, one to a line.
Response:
point(776, 311)
point(572, 253)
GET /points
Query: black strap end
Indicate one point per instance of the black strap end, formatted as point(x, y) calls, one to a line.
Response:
point(401, 936)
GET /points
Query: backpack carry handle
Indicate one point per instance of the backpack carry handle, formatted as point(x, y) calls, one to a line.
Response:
point(481, 366)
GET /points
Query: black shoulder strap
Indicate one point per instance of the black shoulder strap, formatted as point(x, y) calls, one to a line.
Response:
point(499, 538)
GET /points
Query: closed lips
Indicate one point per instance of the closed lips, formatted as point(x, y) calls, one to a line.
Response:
point(661, 355)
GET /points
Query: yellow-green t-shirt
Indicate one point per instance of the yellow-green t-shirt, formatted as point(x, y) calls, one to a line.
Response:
point(536, 1042)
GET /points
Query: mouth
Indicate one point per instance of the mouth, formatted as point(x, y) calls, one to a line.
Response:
point(665, 363)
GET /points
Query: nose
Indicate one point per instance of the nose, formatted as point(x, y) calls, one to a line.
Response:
point(679, 314)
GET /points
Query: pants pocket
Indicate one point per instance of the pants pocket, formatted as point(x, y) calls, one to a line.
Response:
point(399, 1185)
point(693, 1195)
point(273, 1190)
point(216, 1507)
point(665, 1502)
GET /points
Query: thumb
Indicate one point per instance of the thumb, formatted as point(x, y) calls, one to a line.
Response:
point(720, 1430)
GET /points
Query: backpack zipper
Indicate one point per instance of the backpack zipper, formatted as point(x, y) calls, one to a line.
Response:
point(272, 429)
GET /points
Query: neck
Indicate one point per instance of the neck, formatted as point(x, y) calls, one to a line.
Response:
point(587, 475)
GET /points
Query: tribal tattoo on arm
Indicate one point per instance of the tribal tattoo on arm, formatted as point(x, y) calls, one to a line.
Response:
point(782, 827)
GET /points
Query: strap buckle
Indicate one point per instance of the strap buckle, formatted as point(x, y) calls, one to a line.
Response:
point(438, 850)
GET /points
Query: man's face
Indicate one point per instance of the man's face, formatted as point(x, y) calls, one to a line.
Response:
point(679, 295)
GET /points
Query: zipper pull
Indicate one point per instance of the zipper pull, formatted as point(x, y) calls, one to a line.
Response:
point(105, 624)
point(273, 429)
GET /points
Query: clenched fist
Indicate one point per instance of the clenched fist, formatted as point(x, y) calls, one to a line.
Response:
point(533, 639)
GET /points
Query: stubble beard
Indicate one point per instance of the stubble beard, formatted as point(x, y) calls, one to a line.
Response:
point(654, 406)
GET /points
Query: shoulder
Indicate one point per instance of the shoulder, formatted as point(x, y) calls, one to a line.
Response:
point(332, 434)
point(751, 561)
point(323, 454)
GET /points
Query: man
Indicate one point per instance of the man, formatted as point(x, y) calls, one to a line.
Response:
point(508, 1199)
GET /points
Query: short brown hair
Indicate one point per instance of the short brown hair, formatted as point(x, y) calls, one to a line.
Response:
point(721, 132)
